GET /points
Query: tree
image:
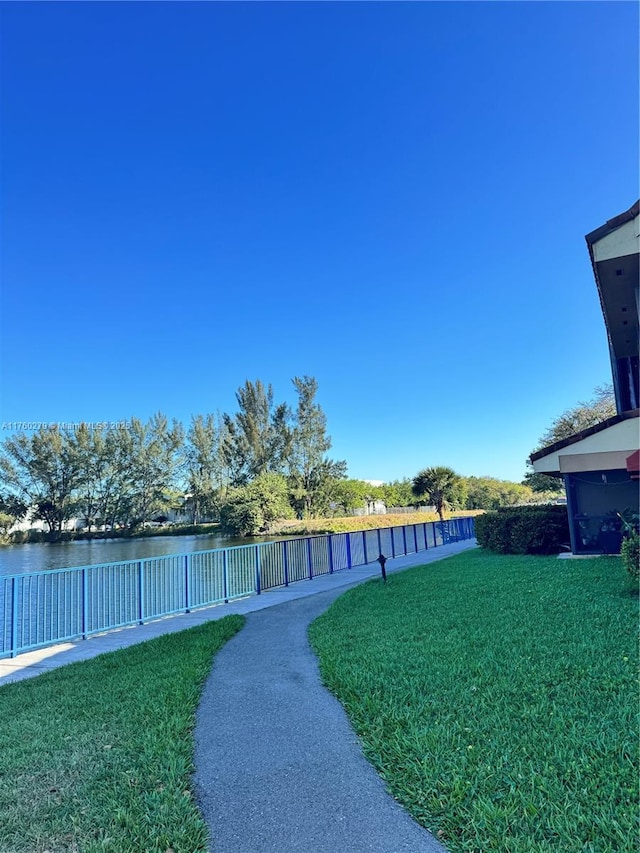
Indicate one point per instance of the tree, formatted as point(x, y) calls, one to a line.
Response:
point(311, 472)
point(490, 493)
point(41, 470)
point(398, 493)
point(440, 485)
point(150, 461)
point(95, 453)
point(251, 509)
point(257, 436)
point(542, 483)
point(354, 494)
point(12, 509)
point(115, 492)
point(583, 415)
point(205, 465)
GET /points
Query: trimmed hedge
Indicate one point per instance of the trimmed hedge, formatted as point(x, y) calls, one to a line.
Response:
point(524, 530)
point(631, 554)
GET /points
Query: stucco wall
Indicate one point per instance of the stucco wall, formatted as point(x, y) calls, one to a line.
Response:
point(623, 241)
point(621, 438)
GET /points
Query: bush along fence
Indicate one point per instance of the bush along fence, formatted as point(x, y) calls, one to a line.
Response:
point(43, 608)
point(524, 530)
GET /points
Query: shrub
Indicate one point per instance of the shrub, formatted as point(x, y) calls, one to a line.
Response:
point(630, 552)
point(493, 531)
point(251, 509)
point(242, 515)
point(524, 530)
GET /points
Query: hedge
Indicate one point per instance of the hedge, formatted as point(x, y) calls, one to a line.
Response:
point(631, 554)
point(524, 530)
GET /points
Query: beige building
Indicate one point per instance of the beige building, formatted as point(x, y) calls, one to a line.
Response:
point(600, 464)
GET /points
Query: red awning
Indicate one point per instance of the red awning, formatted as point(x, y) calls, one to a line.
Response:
point(633, 465)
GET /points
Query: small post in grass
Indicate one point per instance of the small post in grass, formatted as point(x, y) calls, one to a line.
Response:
point(382, 560)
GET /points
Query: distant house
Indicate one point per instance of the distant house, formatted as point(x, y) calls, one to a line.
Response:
point(373, 507)
point(600, 464)
point(29, 522)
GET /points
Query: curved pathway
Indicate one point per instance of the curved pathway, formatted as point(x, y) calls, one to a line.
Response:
point(279, 768)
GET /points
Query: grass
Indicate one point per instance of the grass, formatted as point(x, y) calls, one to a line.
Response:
point(498, 698)
point(311, 526)
point(348, 524)
point(98, 755)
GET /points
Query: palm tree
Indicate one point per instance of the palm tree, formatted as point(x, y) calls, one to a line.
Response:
point(438, 485)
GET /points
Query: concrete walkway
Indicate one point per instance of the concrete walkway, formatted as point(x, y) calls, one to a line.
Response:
point(33, 663)
point(279, 768)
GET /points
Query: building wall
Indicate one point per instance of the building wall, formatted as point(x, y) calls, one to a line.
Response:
point(594, 498)
point(599, 492)
point(619, 243)
point(619, 438)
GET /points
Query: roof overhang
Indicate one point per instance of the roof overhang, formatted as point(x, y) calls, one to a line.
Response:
point(604, 447)
point(614, 251)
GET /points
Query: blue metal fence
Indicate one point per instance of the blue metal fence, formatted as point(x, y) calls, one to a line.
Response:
point(43, 608)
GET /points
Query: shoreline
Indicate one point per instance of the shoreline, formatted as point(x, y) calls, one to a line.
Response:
point(45, 538)
point(291, 529)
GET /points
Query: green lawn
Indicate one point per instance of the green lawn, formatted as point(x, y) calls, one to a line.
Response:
point(498, 698)
point(98, 756)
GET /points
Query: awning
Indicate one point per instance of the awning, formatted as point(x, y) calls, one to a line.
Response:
point(633, 465)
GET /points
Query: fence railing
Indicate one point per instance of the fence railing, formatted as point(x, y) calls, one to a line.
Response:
point(43, 608)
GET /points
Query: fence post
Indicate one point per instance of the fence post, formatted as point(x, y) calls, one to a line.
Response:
point(364, 546)
point(330, 548)
point(435, 538)
point(85, 604)
point(286, 564)
point(348, 550)
point(258, 590)
point(309, 560)
point(415, 536)
point(393, 541)
point(225, 579)
point(404, 538)
point(140, 593)
point(186, 584)
point(379, 542)
point(424, 530)
point(14, 616)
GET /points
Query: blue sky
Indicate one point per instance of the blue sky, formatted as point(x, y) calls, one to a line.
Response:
point(390, 197)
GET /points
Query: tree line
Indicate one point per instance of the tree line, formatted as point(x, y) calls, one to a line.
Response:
point(129, 474)
point(267, 461)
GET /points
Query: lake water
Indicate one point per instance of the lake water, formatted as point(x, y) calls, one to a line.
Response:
point(38, 556)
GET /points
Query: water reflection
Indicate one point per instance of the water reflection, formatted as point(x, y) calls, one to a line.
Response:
point(38, 556)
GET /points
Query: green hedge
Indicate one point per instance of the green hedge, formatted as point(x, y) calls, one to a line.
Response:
point(631, 554)
point(524, 530)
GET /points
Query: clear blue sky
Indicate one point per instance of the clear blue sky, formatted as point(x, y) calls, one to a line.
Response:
point(390, 197)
